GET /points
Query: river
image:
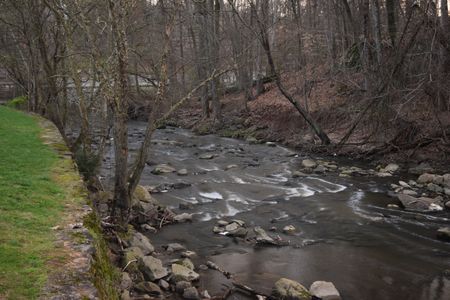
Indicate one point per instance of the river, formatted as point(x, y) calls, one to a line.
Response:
point(345, 232)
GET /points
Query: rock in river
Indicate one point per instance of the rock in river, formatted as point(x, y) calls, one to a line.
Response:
point(262, 237)
point(443, 234)
point(290, 289)
point(309, 163)
point(182, 172)
point(152, 268)
point(163, 169)
point(324, 290)
point(181, 273)
point(419, 204)
point(289, 229)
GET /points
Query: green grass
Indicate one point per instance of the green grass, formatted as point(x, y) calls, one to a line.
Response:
point(30, 204)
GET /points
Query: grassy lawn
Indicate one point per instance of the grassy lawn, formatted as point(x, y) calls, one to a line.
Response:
point(30, 204)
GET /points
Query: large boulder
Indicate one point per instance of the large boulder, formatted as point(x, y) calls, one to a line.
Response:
point(152, 268)
point(419, 204)
point(290, 290)
point(324, 290)
point(142, 242)
point(181, 273)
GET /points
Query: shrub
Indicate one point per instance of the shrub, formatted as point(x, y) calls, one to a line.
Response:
point(18, 102)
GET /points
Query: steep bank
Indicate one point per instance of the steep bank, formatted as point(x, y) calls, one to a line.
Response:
point(398, 130)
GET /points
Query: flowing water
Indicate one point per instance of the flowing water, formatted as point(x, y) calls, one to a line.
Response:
point(346, 233)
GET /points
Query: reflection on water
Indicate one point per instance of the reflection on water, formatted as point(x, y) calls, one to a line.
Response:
point(346, 233)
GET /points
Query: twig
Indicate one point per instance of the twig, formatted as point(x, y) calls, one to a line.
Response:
point(129, 263)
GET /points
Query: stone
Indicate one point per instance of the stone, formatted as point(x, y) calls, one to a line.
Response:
point(383, 174)
point(447, 191)
point(142, 194)
point(297, 174)
point(446, 180)
point(207, 156)
point(393, 206)
point(239, 222)
point(262, 237)
point(320, 169)
point(203, 267)
point(125, 282)
point(175, 247)
point(271, 144)
point(251, 140)
point(222, 223)
point(185, 206)
point(289, 229)
point(147, 287)
point(290, 289)
point(447, 204)
point(132, 254)
point(240, 232)
point(390, 168)
point(404, 184)
point(186, 263)
point(232, 227)
point(163, 169)
point(182, 218)
point(443, 234)
point(229, 167)
point(438, 179)
point(141, 241)
point(188, 254)
point(324, 290)
point(434, 188)
point(309, 163)
point(217, 229)
point(148, 228)
point(164, 284)
point(420, 169)
point(182, 172)
point(205, 295)
point(152, 268)
point(419, 204)
point(409, 192)
point(180, 286)
point(191, 293)
point(181, 273)
point(426, 178)
point(125, 295)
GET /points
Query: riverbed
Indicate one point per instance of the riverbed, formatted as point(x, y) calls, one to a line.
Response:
point(345, 233)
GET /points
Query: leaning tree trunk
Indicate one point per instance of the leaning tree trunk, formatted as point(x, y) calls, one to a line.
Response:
point(264, 39)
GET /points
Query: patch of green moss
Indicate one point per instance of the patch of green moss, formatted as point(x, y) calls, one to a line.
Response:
point(18, 102)
point(105, 275)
